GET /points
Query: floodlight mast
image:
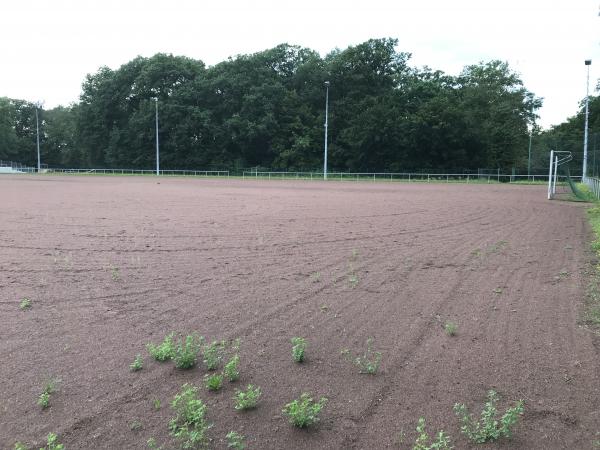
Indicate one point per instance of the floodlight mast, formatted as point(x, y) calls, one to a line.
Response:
point(37, 130)
point(588, 63)
point(326, 123)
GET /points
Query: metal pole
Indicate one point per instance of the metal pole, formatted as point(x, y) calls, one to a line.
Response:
point(157, 149)
point(588, 62)
point(326, 125)
point(550, 175)
point(529, 157)
point(37, 129)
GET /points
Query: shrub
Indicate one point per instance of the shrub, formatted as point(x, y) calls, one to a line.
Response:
point(304, 412)
point(189, 426)
point(44, 398)
point(25, 304)
point(52, 443)
point(163, 351)
point(488, 428)
point(298, 347)
point(368, 362)
point(247, 399)
point(442, 441)
point(231, 370)
point(186, 351)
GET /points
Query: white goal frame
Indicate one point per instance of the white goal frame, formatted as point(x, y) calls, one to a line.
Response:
point(556, 159)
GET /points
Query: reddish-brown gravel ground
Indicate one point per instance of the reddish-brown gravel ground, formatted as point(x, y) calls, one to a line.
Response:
point(112, 263)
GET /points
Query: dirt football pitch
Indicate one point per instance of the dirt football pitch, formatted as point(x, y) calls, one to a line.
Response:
point(110, 264)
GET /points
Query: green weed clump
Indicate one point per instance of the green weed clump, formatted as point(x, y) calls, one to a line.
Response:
point(488, 428)
point(52, 443)
point(25, 304)
point(189, 426)
point(235, 441)
point(442, 441)
point(213, 382)
point(163, 351)
point(186, 351)
point(137, 364)
point(213, 354)
point(44, 398)
point(304, 412)
point(450, 328)
point(368, 362)
point(231, 369)
point(247, 399)
point(298, 347)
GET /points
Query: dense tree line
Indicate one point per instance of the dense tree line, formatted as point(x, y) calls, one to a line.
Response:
point(267, 109)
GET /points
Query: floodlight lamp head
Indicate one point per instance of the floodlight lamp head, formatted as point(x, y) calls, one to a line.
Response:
point(327, 83)
point(588, 62)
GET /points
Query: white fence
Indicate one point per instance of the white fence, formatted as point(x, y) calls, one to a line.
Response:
point(594, 185)
point(173, 173)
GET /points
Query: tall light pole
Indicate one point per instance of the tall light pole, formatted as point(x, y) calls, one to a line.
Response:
point(157, 150)
point(326, 123)
point(37, 130)
point(529, 157)
point(588, 63)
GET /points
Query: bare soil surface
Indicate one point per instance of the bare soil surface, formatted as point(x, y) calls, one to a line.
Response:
point(112, 263)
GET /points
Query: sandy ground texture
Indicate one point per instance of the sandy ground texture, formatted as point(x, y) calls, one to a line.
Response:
point(112, 263)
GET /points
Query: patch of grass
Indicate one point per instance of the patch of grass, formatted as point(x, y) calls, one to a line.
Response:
point(235, 441)
point(353, 280)
point(231, 369)
point(44, 398)
point(189, 426)
point(450, 328)
point(488, 427)
point(20, 446)
point(156, 404)
point(304, 412)
point(52, 443)
point(213, 354)
point(497, 290)
point(591, 313)
point(368, 362)
point(186, 351)
point(163, 351)
point(442, 441)
point(137, 364)
point(114, 273)
point(153, 445)
point(316, 277)
point(247, 399)
point(298, 348)
point(214, 381)
point(25, 304)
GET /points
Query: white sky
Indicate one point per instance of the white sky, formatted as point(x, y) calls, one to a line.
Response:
point(48, 46)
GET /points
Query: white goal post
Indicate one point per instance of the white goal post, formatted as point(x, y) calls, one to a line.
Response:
point(556, 159)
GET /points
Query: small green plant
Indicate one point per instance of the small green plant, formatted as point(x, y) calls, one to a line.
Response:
point(247, 399)
point(137, 364)
point(488, 428)
point(442, 441)
point(52, 443)
point(367, 363)
point(353, 280)
point(20, 446)
point(304, 412)
point(316, 277)
point(450, 328)
point(156, 404)
point(136, 425)
point(497, 290)
point(153, 445)
point(163, 351)
point(25, 304)
point(44, 398)
point(189, 426)
point(235, 441)
point(213, 354)
point(298, 347)
point(231, 369)
point(114, 273)
point(214, 381)
point(186, 351)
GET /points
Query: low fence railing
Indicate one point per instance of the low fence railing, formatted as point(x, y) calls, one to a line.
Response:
point(594, 185)
point(401, 176)
point(176, 173)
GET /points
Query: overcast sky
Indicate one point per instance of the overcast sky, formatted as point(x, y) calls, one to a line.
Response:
point(47, 47)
